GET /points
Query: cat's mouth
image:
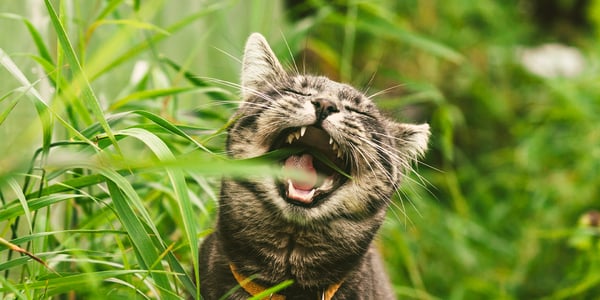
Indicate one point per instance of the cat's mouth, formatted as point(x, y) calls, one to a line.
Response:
point(319, 161)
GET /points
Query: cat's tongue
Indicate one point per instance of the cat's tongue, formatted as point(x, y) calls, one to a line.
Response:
point(301, 189)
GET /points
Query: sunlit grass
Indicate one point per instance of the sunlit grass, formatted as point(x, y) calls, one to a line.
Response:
point(104, 182)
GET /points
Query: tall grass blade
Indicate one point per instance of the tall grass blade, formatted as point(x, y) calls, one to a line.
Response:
point(77, 282)
point(24, 205)
point(108, 9)
point(131, 23)
point(148, 94)
point(170, 127)
point(195, 80)
point(15, 208)
point(178, 182)
point(378, 23)
point(45, 112)
point(35, 35)
point(10, 106)
point(40, 105)
point(272, 290)
point(140, 238)
point(16, 248)
point(134, 51)
point(11, 290)
point(80, 77)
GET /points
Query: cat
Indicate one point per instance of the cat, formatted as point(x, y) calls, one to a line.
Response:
point(316, 229)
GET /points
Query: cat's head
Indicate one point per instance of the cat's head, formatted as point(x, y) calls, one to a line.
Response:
point(332, 123)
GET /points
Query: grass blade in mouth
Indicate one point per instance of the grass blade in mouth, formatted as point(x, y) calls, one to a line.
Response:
point(329, 163)
point(280, 154)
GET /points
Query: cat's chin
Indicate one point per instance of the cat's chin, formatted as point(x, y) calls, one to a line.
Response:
point(315, 170)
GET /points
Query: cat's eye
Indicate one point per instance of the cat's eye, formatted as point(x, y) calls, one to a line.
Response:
point(354, 110)
point(295, 92)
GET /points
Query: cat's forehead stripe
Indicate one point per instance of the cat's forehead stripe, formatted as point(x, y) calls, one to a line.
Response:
point(321, 84)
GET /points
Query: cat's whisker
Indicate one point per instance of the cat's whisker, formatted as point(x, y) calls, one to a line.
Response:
point(228, 54)
point(406, 168)
point(297, 72)
point(304, 55)
point(252, 91)
point(384, 91)
point(220, 81)
point(402, 208)
point(367, 87)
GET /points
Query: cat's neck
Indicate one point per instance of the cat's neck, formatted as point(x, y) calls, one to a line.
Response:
point(277, 250)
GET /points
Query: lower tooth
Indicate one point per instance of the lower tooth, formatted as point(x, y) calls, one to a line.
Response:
point(327, 184)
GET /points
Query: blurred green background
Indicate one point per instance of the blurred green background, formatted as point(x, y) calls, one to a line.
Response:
point(111, 138)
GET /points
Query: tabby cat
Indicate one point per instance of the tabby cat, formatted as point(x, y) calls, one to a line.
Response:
point(316, 229)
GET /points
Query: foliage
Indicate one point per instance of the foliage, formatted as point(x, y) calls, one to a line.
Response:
point(112, 116)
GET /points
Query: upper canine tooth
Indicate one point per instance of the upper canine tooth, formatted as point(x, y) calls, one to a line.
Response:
point(330, 140)
point(302, 130)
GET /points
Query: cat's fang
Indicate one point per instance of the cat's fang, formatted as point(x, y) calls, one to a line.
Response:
point(296, 135)
point(330, 140)
point(337, 150)
point(302, 130)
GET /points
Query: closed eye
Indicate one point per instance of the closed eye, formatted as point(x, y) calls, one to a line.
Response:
point(359, 112)
point(291, 91)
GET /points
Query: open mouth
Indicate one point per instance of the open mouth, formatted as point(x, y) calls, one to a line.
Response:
point(315, 170)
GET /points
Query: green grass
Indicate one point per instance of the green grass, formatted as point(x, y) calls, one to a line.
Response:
point(112, 117)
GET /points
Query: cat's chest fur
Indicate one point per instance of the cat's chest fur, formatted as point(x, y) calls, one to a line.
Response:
point(263, 243)
point(314, 224)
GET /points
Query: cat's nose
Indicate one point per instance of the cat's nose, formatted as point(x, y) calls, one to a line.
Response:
point(323, 108)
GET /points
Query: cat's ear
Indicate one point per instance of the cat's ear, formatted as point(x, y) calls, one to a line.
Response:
point(410, 138)
point(260, 65)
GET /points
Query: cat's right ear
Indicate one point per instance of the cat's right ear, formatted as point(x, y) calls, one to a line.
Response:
point(411, 139)
point(260, 66)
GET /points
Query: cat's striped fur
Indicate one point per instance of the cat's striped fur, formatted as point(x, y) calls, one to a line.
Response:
point(317, 233)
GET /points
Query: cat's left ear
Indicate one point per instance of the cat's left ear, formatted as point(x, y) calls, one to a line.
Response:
point(410, 138)
point(260, 65)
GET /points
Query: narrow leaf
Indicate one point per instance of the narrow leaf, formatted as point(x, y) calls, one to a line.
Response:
point(176, 176)
point(197, 81)
point(88, 95)
point(148, 94)
point(182, 23)
point(15, 209)
point(18, 249)
point(44, 111)
point(35, 35)
point(140, 238)
point(17, 190)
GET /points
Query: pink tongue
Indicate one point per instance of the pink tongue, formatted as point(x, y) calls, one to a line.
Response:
point(304, 164)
